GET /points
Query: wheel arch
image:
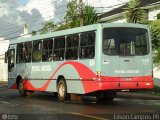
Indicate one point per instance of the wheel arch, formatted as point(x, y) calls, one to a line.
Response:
point(59, 78)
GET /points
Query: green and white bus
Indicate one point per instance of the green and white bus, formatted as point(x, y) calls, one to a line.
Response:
point(102, 59)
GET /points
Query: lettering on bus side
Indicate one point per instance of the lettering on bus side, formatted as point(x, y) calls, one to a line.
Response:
point(41, 68)
point(126, 71)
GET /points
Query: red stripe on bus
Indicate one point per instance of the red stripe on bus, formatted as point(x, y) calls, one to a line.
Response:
point(83, 71)
point(105, 83)
point(128, 79)
point(14, 86)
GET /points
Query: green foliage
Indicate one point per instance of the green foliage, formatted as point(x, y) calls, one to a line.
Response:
point(34, 33)
point(156, 56)
point(133, 12)
point(48, 27)
point(158, 16)
point(72, 16)
point(63, 26)
point(90, 15)
point(155, 33)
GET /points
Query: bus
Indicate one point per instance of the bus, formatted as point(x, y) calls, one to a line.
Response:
point(99, 59)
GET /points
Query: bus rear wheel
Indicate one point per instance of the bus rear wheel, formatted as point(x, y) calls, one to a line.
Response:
point(105, 96)
point(62, 90)
point(21, 90)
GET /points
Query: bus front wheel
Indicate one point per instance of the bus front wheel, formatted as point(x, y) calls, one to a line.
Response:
point(21, 90)
point(62, 90)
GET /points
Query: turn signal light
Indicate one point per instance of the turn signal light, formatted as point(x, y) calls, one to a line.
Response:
point(99, 74)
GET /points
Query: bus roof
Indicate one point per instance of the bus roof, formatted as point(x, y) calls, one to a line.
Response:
point(76, 30)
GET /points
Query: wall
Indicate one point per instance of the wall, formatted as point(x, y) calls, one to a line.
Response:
point(3, 72)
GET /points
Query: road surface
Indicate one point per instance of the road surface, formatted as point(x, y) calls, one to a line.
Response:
point(46, 106)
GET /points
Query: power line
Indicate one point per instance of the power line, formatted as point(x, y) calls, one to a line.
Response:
point(45, 18)
point(37, 15)
point(26, 19)
point(28, 33)
point(32, 21)
point(20, 29)
point(58, 8)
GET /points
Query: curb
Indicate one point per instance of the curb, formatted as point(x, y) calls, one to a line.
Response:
point(3, 83)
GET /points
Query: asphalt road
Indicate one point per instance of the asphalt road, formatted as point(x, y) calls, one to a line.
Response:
point(46, 106)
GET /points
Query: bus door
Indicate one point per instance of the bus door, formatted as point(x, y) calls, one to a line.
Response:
point(11, 65)
point(11, 59)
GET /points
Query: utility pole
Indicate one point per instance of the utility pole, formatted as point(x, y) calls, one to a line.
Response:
point(81, 12)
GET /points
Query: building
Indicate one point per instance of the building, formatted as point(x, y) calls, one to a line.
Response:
point(3, 66)
point(151, 7)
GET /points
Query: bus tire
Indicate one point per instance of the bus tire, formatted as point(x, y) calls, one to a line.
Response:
point(62, 90)
point(105, 96)
point(109, 96)
point(100, 96)
point(21, 90)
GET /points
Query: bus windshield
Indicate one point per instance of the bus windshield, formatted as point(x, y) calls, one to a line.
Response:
point(125, 41)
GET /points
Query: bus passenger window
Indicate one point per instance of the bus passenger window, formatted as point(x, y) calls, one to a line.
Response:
point(27, 51)
point(20, 55)
point(37, 51)
point(72, 47)
point(47, 50)
point(59, 48)
point(87, 45)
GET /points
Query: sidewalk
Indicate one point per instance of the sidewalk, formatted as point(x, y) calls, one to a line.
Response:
point(156, 82)
point(3, 83)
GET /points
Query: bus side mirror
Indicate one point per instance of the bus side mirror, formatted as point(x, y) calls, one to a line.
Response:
point(6, 57)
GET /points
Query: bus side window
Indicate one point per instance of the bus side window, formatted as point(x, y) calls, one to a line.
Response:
point(20, 53)
point(59, 48)
point(37, 51)
point(47, 50)
point(87, 45)
point(27, 51)
point(72, 47)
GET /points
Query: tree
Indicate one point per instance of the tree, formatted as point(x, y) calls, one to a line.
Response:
point(156, 56)
point(34, 33)
point(72, 18)
point(63, 26)
point(155, 32)
point(90, 15)
point(48, 27)
point(158, 16)
point(73, 14)
point(134, 13)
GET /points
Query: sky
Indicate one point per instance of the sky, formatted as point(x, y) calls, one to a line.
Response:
point(15, 13)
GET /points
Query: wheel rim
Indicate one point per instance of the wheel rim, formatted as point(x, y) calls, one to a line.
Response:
point(61, 90)
point(21, 90)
